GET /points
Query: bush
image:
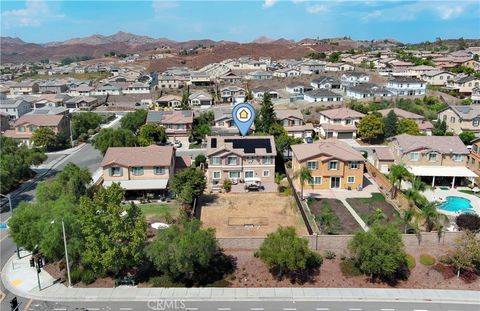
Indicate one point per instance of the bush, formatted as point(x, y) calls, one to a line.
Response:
point(227, 185)
point(427, 260)
point(468, 222)
point(349, 268)
point(164, 281)
point(88, 276)
point(75, 275)
point(219, 283)
point(411, 263)
point(330, 255)
point(445, 259)
point(200, 159)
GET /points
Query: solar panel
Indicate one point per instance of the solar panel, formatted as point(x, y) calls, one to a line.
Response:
point(250, 145)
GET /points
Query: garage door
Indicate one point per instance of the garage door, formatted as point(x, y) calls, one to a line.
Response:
point(328, 134)
point(345, 135)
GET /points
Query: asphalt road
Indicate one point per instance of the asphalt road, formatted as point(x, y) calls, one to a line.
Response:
point(250, 306)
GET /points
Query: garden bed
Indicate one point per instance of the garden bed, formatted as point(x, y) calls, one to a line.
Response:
point(365, 207)
point(342, 222)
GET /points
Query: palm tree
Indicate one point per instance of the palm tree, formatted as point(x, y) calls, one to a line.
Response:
point(433, 219)
point(407, 218)
point(327, 221)
point(398, 173)
point(304, 175)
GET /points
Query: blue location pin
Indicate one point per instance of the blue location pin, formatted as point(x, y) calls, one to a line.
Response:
point(243, 115)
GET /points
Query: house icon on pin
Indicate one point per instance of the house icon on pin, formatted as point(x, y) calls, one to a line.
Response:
point(244, 114)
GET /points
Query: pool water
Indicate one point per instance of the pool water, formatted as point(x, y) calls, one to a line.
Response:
point(456, 204)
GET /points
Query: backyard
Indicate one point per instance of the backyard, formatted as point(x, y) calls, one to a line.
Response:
point(332, 217)
point(249, 214)
point(366, 208)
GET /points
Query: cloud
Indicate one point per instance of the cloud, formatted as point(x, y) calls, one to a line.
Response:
point(317, 8)
point(269, 3)
point(161, 7)
point(448, 12)
point(35, 13)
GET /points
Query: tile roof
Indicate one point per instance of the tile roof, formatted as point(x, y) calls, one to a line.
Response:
point(401, 113)
point(322, 93)
point(467, 112)
point(139, 156)
point(330, 148)
point(286, 113)
point(442, 144)
point(341, 113)
point(40, 119)
point(170, 117)
point(384, 153)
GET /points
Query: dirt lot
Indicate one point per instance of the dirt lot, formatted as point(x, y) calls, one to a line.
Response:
point(343, 222)
point(249, 214)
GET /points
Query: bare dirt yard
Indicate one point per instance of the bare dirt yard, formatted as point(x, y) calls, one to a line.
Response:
point(249, 214)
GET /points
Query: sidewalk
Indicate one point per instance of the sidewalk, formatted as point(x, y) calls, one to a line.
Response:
point(21, 280)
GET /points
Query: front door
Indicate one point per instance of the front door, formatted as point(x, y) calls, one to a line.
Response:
point(335, 182)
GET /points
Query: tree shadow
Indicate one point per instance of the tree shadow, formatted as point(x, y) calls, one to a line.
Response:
point(220, 266)
point(301, 276)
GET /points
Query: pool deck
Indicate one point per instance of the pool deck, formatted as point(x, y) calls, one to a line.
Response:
point(440, 195)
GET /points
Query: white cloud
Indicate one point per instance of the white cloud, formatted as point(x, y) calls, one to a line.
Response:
point(35, 13)
point(299, 1)
point(269, 3)
point(448, 12)
point(317, 8)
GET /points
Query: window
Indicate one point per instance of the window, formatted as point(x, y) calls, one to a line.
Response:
point(354, 165)
point(233, 175)
point(216, 175)
point(317, 180)
point(116, 171)
point(350, 179)
point(137, 170)
point(267, 160)
point(333, 165)
point(452, 119)
point(336, 121)
point(21, 129)
point(215, 160)
point(232, 160)
point(312, 165)
point(266, 173)
point(476, 122)
point(33, 128)
point(432, 157)
point(414, 156)
point(159, 170)
point(249, 174)
point(457, 157)
point(348, 121)
point(444, 118)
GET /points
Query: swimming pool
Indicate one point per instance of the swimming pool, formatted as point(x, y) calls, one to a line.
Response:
point(456, 205)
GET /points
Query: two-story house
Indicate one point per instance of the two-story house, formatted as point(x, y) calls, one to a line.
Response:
point(24, 88)
point(475, 97)
point(333, 164)
point(54, 86)
point(439, 78)
point(424, 125)
point(405, 86)
point(473, 159)
point(366, 90)
point(177, 123)
point(230, 78)
point(27, 124)
point(223, 122)
point(139, 169)
point(461, 118)
point(353, 79)
point(15, 108)
point(200, 99)
point(171, 82)
point(293, 122)
point(340, 123)
point(137, 88)
point(232, 94)
point(240, 159)
point(464, 84)
point(325, 83)
point(286, 72)
point(437, 160)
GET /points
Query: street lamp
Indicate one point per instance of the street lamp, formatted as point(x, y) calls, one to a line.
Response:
point(11, 213)
point(66, 251)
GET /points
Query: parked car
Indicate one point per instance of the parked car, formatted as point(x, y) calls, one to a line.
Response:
point(177, 144)
point(308, 140)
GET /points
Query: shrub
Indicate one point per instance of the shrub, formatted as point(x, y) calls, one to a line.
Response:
point(445, 259)
point(330, 255)
point(349, 268)
point(163, 281)
point(468, 222)
point(411, 263)
point(75, 275)
point(427, 260)
point(88, 276)
point(227, 185)
point(219, 283)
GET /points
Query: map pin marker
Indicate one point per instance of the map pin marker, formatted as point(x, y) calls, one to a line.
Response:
point(243, 115)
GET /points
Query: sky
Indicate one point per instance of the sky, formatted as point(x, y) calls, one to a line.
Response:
point(42, 21)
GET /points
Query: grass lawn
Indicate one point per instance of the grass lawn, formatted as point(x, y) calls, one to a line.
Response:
point(195, 146)
point(159, 210)
point(342, 222)
point(469, 192)
point(367, 206)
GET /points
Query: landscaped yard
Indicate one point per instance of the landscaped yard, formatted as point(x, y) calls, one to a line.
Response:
point(366, 207)
point(332, 216)
point(194, 146)
point(160, 211)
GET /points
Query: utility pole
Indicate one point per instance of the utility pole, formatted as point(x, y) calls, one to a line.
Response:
point(66, 254)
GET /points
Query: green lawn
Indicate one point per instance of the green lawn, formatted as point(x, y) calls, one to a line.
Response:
point(159, 210)
point(469, 192)
point(195, 146)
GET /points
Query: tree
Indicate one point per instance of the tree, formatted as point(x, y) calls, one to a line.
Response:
point(109, 137)
point(466, 254)
point(184, 105)
point(334, 57)
point(84, 121)
point(379, 252)
point(266, 117)
point(199, 159)
point(134, 120)
point(407, 218)
point(114, 233)
point(469, 222)
point(287, 253)
point(151, 133)
point(397, 174)
point(201, 126)
point(408, 126)
point(283, 141)
point(439, 128)
point(433, 219)
point(189, 184)
point(304, 175)
point(371, 127)
point(467, 137)
point(44, 137)
point(390, 124)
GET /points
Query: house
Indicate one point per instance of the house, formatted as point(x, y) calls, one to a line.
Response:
point(137, 88)
point(107, 89)
point(81, 102)
point(367, 90)
point(258, 92)
point(240, 159)
point(230, 78)
point(15, 108)
point(439, 78)
point(171, 101)
point(461, 118)
point(424, 125)
point(353, 79)
point(146, 169)
point(463, 84)
point(201, 99)
point(24, 88)
point(259, 75)
point(223, 122)
point(171, 82)
point(29, 123)
point(199, 78)
point(53, 86)
point(382, 158)
point(286, 72)
point(437, 160)
point(338, 67)
point(340, 123)
point(81, 90)
point(231, 93)
point(322, 95)
point(475, 97)
point(311, 67)
point(333, 164)
point(4, 122)
point(293, 122)
point(177, 123)
point(473, 159)
point(405, 86)
point(325, 83)
point(297, 89)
